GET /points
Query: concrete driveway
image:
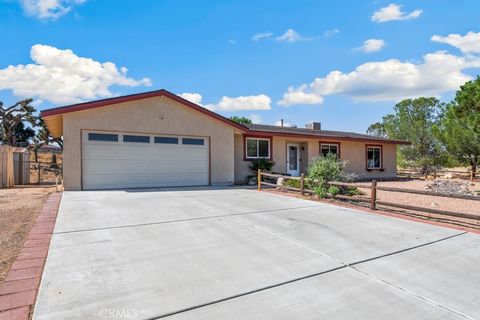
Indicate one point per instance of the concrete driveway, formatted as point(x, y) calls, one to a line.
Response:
point(241, 254)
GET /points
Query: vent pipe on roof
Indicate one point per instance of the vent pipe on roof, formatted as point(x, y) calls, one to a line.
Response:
point(281, 122)
point(314, 126)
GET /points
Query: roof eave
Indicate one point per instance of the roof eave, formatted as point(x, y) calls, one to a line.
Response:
point(314, 136)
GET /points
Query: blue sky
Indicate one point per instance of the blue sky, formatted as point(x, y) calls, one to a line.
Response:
point(241, 57)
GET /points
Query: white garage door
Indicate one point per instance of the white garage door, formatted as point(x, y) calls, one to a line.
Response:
point(123, 160)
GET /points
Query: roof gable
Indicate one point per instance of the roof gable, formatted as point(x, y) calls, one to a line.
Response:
point(58, 112)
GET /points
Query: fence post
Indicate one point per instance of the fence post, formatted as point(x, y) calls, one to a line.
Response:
point(373, 195)
point(259, 179)
point(302, 183)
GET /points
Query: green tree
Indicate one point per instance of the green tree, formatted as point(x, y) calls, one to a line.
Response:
point(377, 129)
point(241, 120)
point(459, 126)
point(413, 121)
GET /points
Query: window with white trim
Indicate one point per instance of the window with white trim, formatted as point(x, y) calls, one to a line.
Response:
point(374, 157)
point(326, 148)
point(257, 148)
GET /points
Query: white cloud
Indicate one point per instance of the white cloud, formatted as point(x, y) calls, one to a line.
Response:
point(232, 41)
point(60, 76)
point(372, 45)
point(48, 9)
point(469, 43)
point(392, 79)
point(393, 12)
point(300, 96)
point(292, 36)
point(330, 33)
point(192, 97)
point(255, 118)
point(261, 36)
point(258, 102)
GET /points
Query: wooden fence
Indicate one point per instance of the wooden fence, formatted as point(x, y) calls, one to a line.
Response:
point(373, 201)
point(6, 166)
point(417, 173)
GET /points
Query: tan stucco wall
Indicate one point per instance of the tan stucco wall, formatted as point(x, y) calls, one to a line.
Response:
point(351, 151)
point(145, 116)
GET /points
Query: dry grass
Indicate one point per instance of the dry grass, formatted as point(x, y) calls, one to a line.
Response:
point(19, 208)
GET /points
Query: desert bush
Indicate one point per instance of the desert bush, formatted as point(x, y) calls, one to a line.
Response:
point(334, 190)
point(321, 191)
point(352, 191)
point(291, 183)
point(326, 168)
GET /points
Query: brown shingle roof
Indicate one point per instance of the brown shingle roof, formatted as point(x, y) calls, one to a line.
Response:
point(327, 134)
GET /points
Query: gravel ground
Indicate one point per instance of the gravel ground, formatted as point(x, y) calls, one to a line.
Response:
point(19, 208)
point(439, 203)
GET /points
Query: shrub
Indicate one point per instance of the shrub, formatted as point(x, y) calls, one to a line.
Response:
point(326, 168)
point(262, 164)
point(291, 183)
point(334, 190)
point(353, 191)
point(321, 191)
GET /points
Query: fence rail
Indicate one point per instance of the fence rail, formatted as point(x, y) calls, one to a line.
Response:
point(436, 172)
point(374, 202)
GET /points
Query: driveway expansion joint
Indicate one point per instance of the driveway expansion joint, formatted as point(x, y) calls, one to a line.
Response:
point(181, 220)
point(344, 265)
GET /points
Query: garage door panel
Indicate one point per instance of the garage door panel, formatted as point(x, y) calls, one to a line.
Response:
point(100, 152)
point(194, 179)
point(118, 164)
point(101, 181)
point(197, 155)
point(103, 166)
point(166, 166)
point(192, 166)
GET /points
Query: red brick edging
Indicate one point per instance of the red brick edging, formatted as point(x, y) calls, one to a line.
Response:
point(19, 291)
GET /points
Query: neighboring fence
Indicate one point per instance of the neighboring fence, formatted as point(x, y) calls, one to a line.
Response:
point(6, 166)
point(21, 168)
point(45, 173)
point(372, 200)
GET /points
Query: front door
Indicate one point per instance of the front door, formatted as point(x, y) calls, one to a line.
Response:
point(293, 159)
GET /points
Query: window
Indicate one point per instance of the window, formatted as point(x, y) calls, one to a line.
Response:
point(326, 148)
point(374, 157)
point(142, 139)
point(102, 137)
point(166, 140)
point(257, 148)
point(196, 142)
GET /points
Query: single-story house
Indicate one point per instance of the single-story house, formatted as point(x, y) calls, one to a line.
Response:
point(157, 138)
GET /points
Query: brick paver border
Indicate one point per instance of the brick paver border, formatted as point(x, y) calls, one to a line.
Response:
point(19, 291)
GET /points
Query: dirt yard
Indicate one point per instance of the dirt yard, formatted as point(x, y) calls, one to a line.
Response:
point(19, 208)
point(439, 203)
